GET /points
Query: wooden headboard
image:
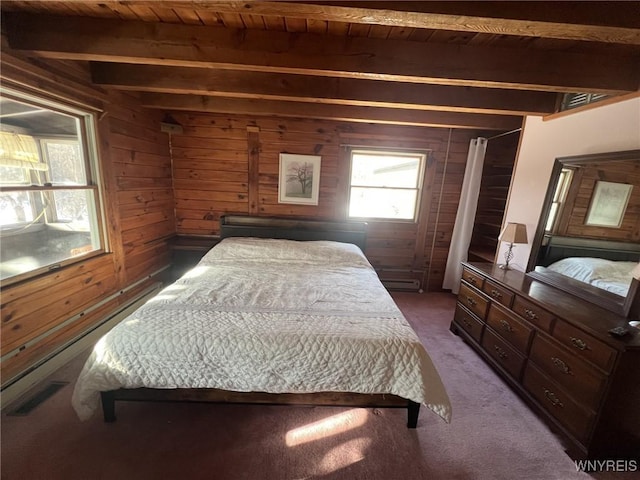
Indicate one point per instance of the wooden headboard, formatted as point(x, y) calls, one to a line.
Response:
point(293, 229)
point(555, 248)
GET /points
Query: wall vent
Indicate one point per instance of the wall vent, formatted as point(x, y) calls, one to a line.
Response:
point(575, 100)
point(407, 285)
point(36, 399)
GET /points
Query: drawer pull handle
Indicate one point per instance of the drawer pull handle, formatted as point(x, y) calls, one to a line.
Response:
point(471, 301)
point(471, 280)
point(466, 322)
point(501, 352)
point(530, 314)
point(562, 366)
point(496, 294)
point(505, 326)
point(553, 399)
point(580, 344)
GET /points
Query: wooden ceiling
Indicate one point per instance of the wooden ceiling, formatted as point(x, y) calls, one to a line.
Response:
point(465, 64)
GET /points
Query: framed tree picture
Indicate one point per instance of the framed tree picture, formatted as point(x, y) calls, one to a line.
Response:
point(299, 179)
point(608, 204)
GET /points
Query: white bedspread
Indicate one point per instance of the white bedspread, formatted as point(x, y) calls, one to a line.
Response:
point(271, 316)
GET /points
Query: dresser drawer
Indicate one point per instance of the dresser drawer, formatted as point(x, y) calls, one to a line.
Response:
point(497, 293)
point(532, 313)
point(503, 353)
point(581, 381)
point(468, 323)
point(472, 278)
point(554, 400)
point(509, 327)
point(585, 345)
point(473, 300)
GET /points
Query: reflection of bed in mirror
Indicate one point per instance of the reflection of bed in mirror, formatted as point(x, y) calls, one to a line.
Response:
point(601, 264)
point(568, 228)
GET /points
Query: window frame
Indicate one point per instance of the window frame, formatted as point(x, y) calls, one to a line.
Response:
point(87, 139)
point(422, 155)
point(559, 199)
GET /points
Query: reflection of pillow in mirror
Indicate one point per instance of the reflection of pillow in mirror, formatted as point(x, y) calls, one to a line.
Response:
point(587, 269)
point(615, 270)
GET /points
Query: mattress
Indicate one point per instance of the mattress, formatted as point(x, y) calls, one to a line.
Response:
point(266, 315)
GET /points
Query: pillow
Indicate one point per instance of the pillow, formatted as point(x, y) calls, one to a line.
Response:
point(588, 269)
point(276, 250)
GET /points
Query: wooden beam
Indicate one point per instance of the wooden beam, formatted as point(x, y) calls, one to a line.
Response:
point(337, 91)
point(18, 72)
point(80, 38)
point(542, 20)
point(329, 112)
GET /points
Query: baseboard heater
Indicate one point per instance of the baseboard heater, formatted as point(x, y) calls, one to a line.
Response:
point(403, 284)
point(56, 359)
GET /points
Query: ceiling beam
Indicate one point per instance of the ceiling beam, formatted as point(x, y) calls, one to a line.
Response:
point(201, 103)
point(486, 17)
point(337, 91)
point(78, 38)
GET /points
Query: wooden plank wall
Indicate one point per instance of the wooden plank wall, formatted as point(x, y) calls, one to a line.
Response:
point(229, 164)
point(573, 216)
point(138, 202)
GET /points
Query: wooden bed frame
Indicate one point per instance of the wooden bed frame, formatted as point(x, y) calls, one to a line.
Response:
point(292, 229)
point(556, 248)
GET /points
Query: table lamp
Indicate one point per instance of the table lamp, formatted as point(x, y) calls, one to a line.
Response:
point(513, 233)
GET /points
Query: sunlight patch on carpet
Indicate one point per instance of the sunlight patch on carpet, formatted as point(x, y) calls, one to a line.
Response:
point(334, 425)
point(344, 455)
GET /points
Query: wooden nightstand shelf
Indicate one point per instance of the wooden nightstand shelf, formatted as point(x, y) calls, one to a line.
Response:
point(187, 250)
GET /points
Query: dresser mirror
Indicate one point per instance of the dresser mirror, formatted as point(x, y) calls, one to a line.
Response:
point(588, 237)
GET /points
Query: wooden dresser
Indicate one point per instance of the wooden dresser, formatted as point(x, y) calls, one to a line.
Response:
point(554, 350)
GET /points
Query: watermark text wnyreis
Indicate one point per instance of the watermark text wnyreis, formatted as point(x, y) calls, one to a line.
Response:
point(607, 465)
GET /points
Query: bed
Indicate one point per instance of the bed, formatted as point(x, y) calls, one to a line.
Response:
point(606, 265)
point(279, 312)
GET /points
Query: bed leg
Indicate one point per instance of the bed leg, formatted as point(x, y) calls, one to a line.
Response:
point(413, 410)
point(108, 406)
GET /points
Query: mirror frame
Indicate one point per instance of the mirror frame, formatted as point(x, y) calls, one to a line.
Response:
point(627, 307)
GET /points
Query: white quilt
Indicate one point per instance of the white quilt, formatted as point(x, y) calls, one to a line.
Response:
point(271, 316)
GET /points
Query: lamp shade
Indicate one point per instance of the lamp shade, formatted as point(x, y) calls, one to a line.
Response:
point(635, 273)
point(514, 233)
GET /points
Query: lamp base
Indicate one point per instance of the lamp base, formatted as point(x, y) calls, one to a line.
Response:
point(508, 255)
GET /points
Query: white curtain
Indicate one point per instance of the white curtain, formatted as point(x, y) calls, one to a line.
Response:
point(462, 229)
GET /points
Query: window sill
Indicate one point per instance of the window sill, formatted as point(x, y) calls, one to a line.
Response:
point(49, 268)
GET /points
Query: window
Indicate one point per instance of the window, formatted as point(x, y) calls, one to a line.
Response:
point(49, 198)
point(385, 184)
point(559, 196)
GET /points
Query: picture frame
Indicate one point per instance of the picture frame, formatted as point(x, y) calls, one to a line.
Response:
point(299, 179)
point(608, 204)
